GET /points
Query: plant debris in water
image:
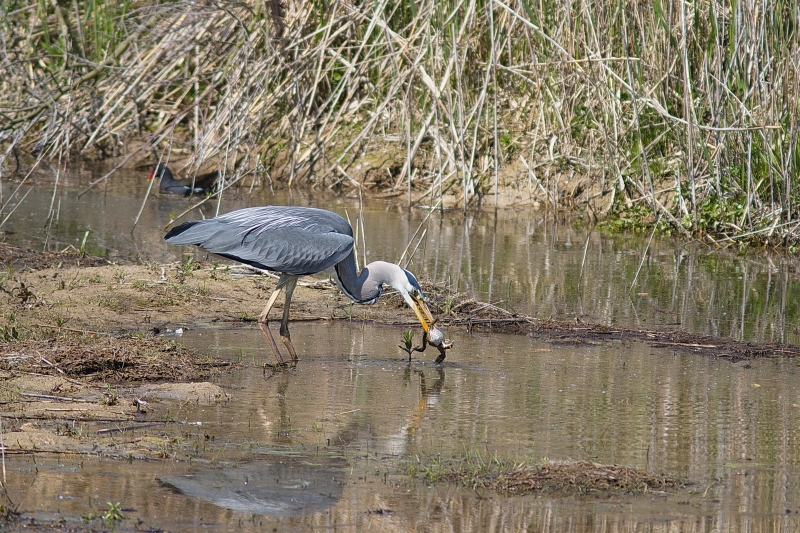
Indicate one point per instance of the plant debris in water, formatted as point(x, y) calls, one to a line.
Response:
point(20, 259)
point(460, 310)
point(97, 357)
point(562, 477)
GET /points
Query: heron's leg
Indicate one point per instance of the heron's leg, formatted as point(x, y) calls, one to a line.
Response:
point(287, 340)
point(263, 323)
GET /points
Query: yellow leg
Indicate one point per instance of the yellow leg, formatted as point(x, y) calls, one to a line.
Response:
point(263, 323)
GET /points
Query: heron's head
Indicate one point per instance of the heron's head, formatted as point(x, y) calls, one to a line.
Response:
point(412, 294)
point(405, 283)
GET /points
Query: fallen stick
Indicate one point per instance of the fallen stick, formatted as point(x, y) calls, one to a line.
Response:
point(49, 397)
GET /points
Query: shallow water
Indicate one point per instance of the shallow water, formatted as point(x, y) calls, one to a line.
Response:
point(318, 446)
point(332, 431)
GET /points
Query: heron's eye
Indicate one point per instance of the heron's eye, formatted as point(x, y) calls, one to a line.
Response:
point(415, 293)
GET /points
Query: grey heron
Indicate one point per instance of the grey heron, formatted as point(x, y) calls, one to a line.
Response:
point(167, 182)
point(298, 241)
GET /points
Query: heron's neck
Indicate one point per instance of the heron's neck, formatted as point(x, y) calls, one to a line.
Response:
point(362, 288)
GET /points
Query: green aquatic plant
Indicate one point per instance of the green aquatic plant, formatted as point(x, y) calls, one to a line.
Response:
point(408, 341)
point(82, 249)
point(114, 512)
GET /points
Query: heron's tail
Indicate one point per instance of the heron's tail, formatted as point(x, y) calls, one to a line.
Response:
point(181, 235)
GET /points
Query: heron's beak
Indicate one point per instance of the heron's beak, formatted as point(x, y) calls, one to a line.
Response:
point(422, 312)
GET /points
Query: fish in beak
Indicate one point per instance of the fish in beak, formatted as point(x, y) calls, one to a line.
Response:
point(434, 334)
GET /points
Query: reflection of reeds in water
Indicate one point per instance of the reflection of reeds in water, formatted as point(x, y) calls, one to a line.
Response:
point(530, 270)
point(652, 112)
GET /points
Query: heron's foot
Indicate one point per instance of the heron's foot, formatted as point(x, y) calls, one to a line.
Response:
point(264, 325)
point(272, 369)
point(289, 346)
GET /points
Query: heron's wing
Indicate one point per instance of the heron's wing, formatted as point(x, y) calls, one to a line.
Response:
point(271, 217)
point(294, 251)
point(291, 240)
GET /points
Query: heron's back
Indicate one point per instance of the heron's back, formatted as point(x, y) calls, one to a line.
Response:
point(287, 239)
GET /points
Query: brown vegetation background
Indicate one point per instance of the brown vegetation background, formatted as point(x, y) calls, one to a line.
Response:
point(671, 114)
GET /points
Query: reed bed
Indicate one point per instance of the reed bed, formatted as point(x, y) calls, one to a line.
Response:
point(677, 115)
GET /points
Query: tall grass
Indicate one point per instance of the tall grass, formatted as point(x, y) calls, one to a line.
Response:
point(664, 112)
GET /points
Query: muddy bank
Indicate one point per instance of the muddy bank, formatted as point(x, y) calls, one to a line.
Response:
point(69, 392)
point(64, 373)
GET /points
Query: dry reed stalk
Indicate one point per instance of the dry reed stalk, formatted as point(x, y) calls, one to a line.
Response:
point(614, 105)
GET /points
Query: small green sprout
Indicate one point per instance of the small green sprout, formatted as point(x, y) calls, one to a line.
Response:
point(114, 512)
